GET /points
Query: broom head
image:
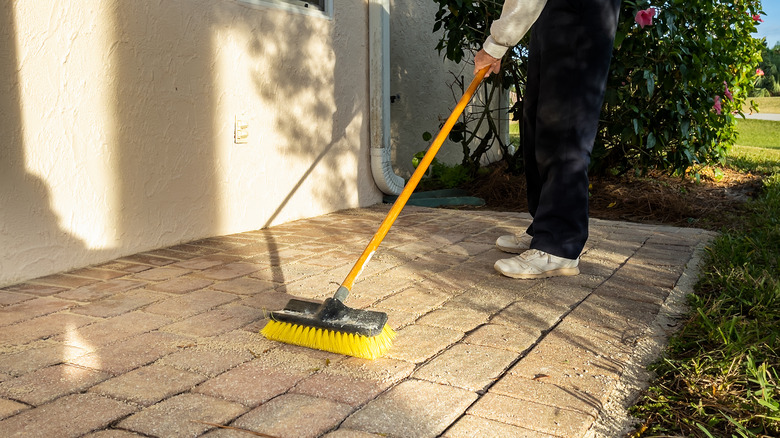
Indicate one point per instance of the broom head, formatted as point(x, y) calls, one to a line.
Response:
point(331, 326)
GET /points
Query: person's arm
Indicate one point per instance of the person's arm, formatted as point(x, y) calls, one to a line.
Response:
point(517, 16)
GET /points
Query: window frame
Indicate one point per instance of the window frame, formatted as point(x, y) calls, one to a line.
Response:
point(295, 6)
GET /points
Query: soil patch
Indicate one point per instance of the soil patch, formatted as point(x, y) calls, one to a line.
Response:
point(711, 203)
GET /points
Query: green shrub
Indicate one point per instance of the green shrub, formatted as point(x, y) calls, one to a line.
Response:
point(664, 81)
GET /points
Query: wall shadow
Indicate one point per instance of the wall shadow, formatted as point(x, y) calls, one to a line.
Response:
point(25, 198)
point(164, 114)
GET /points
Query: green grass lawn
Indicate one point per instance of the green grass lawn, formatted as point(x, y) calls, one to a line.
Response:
point(765, 104)
point(758, 133)
point(720, 375)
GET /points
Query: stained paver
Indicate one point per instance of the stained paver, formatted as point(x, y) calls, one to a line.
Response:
point(165, 343)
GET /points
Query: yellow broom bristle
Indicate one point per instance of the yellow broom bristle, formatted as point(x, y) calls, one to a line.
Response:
point(351, 344)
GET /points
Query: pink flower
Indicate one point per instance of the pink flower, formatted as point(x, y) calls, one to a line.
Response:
point(716, 106)
point(727, 92)
point(757, 18)
point(645, 17)
point(759, 72)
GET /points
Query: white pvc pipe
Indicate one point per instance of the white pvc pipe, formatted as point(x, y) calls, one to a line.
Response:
point(379, 98)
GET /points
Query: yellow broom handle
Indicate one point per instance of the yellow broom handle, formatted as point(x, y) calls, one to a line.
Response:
point(400, 202)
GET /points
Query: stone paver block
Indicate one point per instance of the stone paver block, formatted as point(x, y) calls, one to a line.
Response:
point(611, 254)
point(32, 309)
point(468, 249)
point(216, 321)
point(558, 361)
point(472, 367)
point(113, 433)
point(539, 391)
point(269, 300)
point(9, 298)
point(47, 384)
point(100, 290)
point(208, 261)
point(330, 258)
point(130, 354)
point(147, 259)
point(182, 416)
point(10, 407)
point(181, 285)
point(256, 382)
point(454, 318)
point(665, 255)
point(417, 299)
point(209, 362)
point(65, 281)
point(245, 286)
point(531, 415)
point(295, 416)
point(98, 273)
point(312, 288)
point(646, 293)
point(470, 426)
point(663, 276)
point(251, 384)
point(515, 339)
point(344, 389)
point(417, 343)
point(395, 318)
point(191, 303)
point(484, 298)
point(38, 355)
point(45, 326)
point(382, 285)
point(383, 370)
point(412, 409)
point(119, 303)
point(40, 290)
point(148, 385)
point(113, 329)
point(124, 266)
point(346, 433)
point(230, 270)
point(239, 341)
point(283, 274)
point(66, 417)
point(529, 314)
point(621, 312)
point(161, 274)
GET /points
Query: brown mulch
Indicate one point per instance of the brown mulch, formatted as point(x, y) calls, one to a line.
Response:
point(712, 203)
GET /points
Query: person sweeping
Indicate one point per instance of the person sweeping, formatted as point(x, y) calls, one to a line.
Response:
point(569, 56)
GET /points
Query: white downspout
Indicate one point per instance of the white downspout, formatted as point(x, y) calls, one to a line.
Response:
point(379, 97)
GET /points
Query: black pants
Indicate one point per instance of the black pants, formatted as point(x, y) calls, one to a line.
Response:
point(570, 51)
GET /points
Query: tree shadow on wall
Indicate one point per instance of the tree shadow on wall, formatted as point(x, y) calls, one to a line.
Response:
point(26, 213)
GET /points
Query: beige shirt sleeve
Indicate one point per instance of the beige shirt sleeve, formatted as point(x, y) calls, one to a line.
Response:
point(517, 16)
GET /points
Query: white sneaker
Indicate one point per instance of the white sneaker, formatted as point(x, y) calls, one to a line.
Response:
point(514, 244)
point(537, 264)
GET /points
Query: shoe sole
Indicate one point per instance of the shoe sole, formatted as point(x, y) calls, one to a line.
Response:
point(562, 272)
point(512, 250)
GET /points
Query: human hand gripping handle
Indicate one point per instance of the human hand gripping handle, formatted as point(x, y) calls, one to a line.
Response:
point(482, 59)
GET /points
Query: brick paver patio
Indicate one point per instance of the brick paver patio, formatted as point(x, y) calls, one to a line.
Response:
point(166, 343)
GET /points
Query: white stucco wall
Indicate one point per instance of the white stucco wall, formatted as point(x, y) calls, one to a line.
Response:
point(117, 120)
point(423, 79)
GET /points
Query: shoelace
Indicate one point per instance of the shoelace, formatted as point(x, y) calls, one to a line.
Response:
point(531, 254)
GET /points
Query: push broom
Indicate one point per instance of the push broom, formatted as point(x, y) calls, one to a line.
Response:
point(331, 325)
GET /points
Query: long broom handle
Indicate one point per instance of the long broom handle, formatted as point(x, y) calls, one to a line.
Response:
point(400, 202)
